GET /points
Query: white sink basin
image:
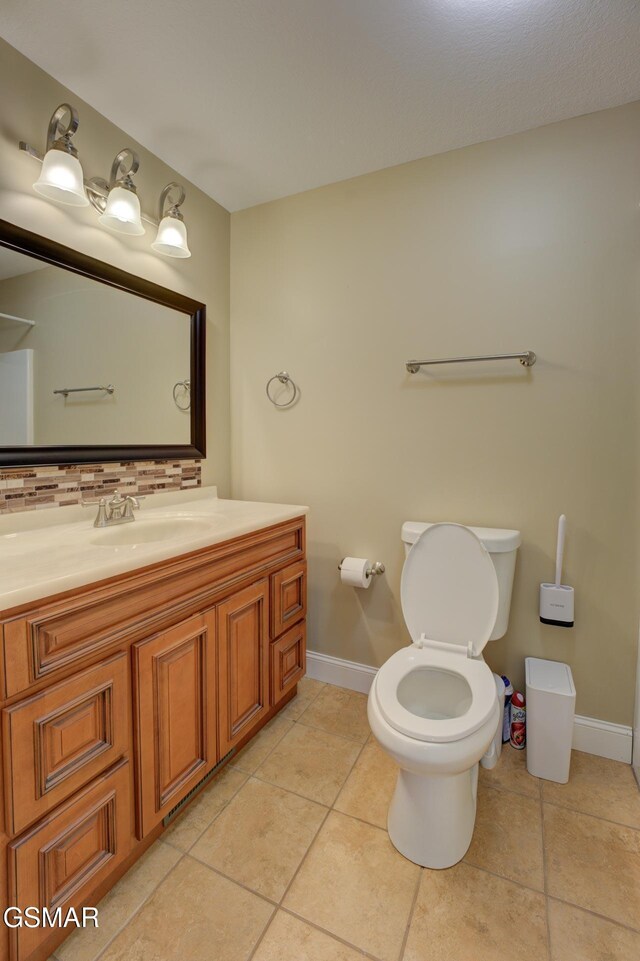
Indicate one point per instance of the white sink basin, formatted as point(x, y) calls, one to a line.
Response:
point(149, 531)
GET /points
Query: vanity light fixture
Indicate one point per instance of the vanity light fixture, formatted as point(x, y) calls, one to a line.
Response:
point(171, 238)
point(121, 209)
point(116, 200)
point(61, 177)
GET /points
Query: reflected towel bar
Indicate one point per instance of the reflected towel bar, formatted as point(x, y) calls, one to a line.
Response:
point(526, 357)
point(65, 391)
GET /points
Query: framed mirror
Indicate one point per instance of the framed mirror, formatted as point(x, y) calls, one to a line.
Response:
point(96, 365)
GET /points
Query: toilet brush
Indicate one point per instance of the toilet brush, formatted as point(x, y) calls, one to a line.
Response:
point(556, 600)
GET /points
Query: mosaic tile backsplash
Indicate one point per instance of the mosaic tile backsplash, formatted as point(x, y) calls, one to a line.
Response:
point(34, 488)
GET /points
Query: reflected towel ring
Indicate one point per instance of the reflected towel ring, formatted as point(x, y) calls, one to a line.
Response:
point(284, 378)
point(186, 387)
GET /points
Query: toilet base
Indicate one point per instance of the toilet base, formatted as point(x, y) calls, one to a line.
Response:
point(431, 819)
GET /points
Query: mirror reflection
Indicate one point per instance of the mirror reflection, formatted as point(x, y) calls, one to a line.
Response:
point(82, 363)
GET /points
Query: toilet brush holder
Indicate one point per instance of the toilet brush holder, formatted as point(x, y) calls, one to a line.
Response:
point(556, 605)
point(556, 600)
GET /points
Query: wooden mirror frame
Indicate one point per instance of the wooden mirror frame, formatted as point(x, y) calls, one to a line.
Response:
point(33, 245)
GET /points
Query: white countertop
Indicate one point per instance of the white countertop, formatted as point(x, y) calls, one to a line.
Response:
point(59, 549)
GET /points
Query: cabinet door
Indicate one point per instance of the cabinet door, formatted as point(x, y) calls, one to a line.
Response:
point(175, 689)
point(243, 662)
point(61, 861)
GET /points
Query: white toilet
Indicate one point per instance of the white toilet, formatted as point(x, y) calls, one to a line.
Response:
point(433, 705)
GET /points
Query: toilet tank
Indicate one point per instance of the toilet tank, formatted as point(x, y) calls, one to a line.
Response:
point(502, 546)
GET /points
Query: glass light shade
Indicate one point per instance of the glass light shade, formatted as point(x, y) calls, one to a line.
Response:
point(171, 238)
point(122, 212)
point(61, 179)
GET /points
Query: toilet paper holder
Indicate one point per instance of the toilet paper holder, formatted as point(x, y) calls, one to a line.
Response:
point(376, 568)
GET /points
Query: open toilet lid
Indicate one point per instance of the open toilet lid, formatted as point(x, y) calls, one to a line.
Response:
point(449, 588)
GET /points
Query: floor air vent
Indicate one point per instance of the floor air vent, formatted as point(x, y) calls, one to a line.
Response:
point(174, 812)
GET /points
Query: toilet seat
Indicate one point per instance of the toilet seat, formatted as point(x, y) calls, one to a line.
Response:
point(475, 673)
point(449, 592)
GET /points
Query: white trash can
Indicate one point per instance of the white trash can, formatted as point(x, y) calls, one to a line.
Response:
point(551, 704)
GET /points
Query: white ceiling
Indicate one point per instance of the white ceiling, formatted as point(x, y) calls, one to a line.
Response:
point(256, 99)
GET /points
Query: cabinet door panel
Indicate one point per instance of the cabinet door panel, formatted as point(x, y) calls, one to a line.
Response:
point(175, 684)
point(58, 740)
point(288, 597)
point(288, 661)
point(243, 638)
point(67, 855)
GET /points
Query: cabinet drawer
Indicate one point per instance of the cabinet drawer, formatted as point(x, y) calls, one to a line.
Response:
point(288, 597)
point(56, 741)
point(175, 724)
point(288, 661)
point(60, 861)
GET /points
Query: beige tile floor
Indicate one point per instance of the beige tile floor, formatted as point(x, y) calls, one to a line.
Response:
point(285, 857)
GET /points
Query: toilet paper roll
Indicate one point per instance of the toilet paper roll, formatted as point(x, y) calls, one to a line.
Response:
point(355, 571)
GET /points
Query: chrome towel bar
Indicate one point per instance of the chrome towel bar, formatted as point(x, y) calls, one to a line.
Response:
point(526, 357)
point(65, 391)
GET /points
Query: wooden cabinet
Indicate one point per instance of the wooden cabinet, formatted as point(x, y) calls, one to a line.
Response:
point(175, 715)
point(119, 698)
point(60, 861)
point(243, 638)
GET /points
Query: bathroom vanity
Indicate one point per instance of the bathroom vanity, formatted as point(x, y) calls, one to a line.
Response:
point(136, 661)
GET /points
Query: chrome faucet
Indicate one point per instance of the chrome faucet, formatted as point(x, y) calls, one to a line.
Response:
point(116, 510)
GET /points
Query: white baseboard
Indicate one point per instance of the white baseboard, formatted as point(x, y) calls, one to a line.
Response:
point(335, 670)
point(603, 738)
point(589, 734)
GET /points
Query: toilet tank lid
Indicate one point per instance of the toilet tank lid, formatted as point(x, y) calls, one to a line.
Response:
point(495, 539)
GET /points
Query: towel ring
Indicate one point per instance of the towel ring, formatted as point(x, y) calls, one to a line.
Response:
point(284, 378)
point(186, 386)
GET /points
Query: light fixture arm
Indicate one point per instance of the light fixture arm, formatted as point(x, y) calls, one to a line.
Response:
point(174, 205)
point(125, 165)
point(62, 126)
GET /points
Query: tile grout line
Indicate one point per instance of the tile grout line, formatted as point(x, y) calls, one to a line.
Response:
point(494, 874)
point(212, 821)
point(403, 946)
point(137, 912)
point(292, 701)
point(586, 814)
point(545, 881)
point(345, 737)
point(304, 857)
point(595, 914)
point(551, 897)
point(349, 773)
point(335, 937)
point(236, 766)
point(286, 890)
point(239, 884)
point(558, 804)
point(303, 797)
